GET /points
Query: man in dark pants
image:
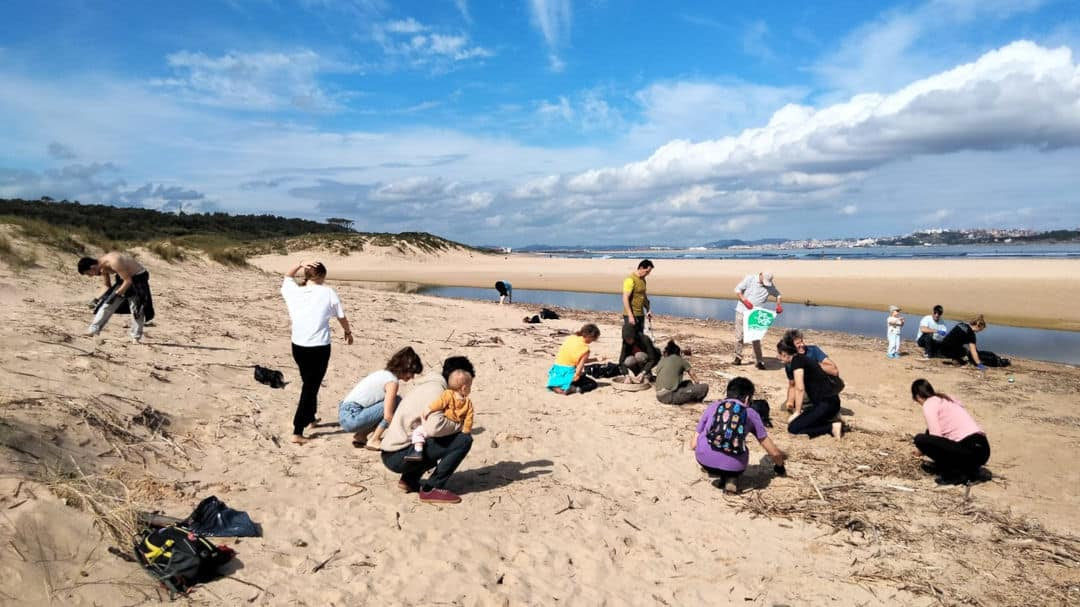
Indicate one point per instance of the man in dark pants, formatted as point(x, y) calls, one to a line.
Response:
point(931, 332)
point(444, 453)
point(635, 299)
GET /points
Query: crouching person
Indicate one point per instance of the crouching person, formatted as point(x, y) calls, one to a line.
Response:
point(720, 443)
point(671, 388)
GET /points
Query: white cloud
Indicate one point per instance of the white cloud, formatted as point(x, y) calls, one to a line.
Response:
point(405, 26)
point(904, 44)
point(1019, 95)
point(421, 46)
point(754, 41)
point(849, 209)
point(561, 109)
point(552, 18)
point(260, 81)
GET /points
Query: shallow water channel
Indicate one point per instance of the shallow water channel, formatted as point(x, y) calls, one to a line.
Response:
point(1037, 344)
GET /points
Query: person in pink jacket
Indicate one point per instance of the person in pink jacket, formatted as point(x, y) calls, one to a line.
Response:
point(953, 440)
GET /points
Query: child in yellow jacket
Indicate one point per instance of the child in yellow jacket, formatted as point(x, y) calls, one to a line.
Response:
point(451, 413)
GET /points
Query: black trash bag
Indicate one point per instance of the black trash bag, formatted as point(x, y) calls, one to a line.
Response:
point(603, 370)
point(270, 377)
point(547, 314)
point(990, 359)
point(532, 321)
point(762, 407)
point(214, 519)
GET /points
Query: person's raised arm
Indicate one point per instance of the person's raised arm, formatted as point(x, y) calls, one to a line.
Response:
point(292, 271)
point(774, 452)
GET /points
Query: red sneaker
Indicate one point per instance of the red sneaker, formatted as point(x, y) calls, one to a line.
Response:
point(439, 496)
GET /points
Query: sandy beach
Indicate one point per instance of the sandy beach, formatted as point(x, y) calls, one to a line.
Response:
point(584, 500)
point(1020, 292)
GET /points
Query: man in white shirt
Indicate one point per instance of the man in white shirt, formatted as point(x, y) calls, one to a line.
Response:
point(754, 290)
point(931, 332)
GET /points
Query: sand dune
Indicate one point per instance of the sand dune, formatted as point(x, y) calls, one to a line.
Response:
point(583, 500)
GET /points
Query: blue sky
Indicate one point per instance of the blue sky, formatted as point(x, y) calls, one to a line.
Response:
point(554, 121)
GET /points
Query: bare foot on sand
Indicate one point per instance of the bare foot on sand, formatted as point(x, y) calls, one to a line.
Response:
point(298, 439)
point(837, 429)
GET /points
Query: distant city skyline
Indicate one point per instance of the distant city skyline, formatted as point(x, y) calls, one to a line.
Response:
point(554, 122)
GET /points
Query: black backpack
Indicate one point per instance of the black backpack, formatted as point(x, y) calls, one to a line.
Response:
point(990, 359)
point(179, 558)
point(547, 314)
point(762, 407)
point(270, 377)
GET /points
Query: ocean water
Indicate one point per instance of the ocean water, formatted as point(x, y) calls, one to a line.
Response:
point(1045, 251)
point(1037, 344)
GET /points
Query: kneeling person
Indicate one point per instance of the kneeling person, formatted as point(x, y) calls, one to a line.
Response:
point(720, 444)
point(671, 388)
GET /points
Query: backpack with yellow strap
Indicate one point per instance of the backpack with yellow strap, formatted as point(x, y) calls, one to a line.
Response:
point(179, 558)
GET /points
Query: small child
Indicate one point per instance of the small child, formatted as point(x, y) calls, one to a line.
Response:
point(451, 413)
point(894, 322)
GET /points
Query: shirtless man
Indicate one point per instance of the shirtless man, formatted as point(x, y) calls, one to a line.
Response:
point(135, 290)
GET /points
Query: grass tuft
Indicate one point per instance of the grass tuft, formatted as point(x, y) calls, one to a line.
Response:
point(166, 250)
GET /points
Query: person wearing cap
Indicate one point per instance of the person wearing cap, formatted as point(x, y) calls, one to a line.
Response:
point(893, 323)
point(931, 331)
point(638, 355)
point(635, 300)
point(311, 305)
point(754, 290)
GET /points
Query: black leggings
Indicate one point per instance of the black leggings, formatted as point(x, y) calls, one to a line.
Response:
point(816, 420)
point(955, 459)
point(312, 362)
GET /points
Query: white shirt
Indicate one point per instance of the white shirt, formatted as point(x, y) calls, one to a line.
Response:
point(754, 292)
point(310, 309)
point(928, 321)
point(371, 389)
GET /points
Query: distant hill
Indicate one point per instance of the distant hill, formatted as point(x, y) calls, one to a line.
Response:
point(70, 226)
point(725, 244)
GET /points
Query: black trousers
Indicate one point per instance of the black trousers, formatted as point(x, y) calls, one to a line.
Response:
point(444, 453)
point(818, 419)
point(312, 363)
point(639, 323)
point(952, 458)
point(927, 343)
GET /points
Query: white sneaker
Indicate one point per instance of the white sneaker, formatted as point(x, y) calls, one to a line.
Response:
point(837, 429)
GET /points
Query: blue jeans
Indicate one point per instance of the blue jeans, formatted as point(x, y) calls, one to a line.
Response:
point(358, 418)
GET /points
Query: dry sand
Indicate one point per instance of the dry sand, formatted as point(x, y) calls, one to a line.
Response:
point(581, 500)
point(1021, 292)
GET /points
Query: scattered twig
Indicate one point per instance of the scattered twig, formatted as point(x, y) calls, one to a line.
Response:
point(816, 488)
point(17, 504)
point(318, 567)
point(636, 528)
point(569, 505)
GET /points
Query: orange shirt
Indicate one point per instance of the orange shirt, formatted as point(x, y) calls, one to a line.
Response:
point(455, 408)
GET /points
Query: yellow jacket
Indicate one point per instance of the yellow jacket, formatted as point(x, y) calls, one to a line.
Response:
point(455, 409)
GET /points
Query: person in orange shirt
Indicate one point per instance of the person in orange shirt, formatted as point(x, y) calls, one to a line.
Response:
point(451, 413)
